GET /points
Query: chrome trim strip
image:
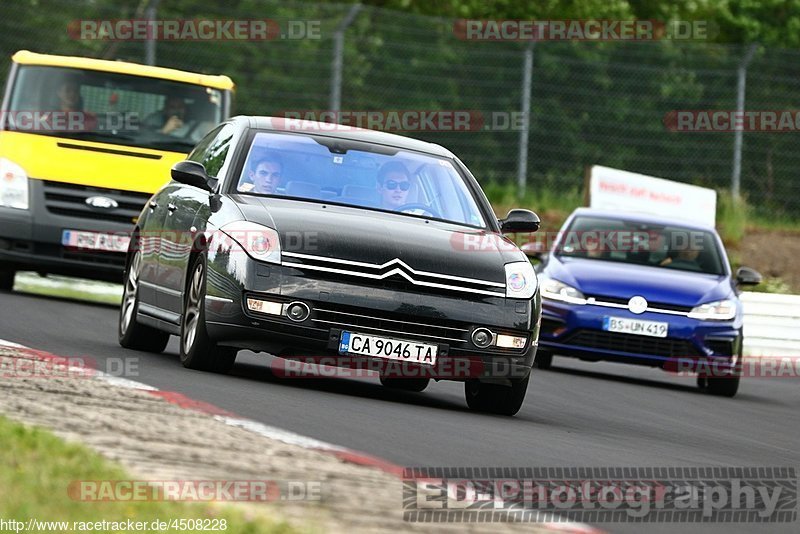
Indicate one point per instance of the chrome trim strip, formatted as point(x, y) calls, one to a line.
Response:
point(390, 273)
point(391, 320)
point(407, 334)
point(390, 262)
point(218, 299)
point(157, 287)
point(604, 304)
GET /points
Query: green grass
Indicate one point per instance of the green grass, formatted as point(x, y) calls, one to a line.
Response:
point(69, 288)
point(36, 468)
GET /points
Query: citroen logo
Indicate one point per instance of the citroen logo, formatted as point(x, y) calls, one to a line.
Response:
point(102, 203)
point(637, 305)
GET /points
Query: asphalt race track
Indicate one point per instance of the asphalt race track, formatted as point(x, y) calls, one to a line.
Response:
point(577, 414)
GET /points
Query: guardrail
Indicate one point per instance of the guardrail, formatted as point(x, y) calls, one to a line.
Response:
point(771, 324)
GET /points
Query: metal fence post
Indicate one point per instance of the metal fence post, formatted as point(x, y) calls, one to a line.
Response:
point(737, 140)
point(527, 74)
point(338, 58)
point(150, 13)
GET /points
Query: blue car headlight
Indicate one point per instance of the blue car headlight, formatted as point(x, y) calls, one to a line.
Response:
point(555, 290)
point(521, 280)
point(719, 310)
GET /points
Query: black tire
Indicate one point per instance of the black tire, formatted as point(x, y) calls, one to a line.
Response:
point(198, 351)
point(544, 359)
point(406, 384)
point(494, 398)
point(6, 280)
point(724, 387)
point(131, 334)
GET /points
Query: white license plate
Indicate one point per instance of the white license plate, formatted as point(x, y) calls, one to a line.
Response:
point(391, 349)
point(95, 241)
point(635, 326)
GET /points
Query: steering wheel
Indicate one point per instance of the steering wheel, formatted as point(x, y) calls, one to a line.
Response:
point(415, 207)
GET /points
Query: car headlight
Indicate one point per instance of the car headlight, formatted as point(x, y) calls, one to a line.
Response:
point(259, 242)
point(555, 290)
point(13, 185)
point(720, 310)
point(521, 280)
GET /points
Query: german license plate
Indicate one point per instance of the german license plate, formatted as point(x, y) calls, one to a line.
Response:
point(391, 349)
point(635, 326)
point(95, 241)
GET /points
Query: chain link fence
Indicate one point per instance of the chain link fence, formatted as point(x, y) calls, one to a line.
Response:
point(591, 103)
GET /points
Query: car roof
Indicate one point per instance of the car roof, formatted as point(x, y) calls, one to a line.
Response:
point(24, 57)
point(350, 133)
point(641, 217)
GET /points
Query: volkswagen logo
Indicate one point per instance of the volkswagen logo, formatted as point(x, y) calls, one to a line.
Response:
point(637, 305)
point(102, 203)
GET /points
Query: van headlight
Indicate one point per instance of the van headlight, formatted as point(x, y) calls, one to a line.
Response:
point(13, 185)
point(555, 290)
point(521, 280)
point(720, 310)
point(259, 242)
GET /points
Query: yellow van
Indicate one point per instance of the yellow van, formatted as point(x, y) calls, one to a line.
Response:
point(83, 144)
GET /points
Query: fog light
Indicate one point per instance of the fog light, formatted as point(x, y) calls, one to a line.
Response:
point(264, 306)
point(482, 337)
point(297, 311)
point(510, 342)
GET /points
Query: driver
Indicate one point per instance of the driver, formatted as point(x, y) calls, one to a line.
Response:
point(394, 183)
point(170, 118)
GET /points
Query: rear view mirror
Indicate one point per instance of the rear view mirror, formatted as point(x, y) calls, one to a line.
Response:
point(193, 173)
point(745, 276)
point(519, 220)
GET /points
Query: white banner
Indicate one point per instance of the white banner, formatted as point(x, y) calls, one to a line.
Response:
point(614, 189)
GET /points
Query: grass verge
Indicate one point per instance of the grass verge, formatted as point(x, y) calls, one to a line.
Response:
point(36, 468)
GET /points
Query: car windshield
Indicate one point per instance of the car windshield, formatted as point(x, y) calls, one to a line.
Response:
point(323, 169)
point(661, 246)
point(112, 108)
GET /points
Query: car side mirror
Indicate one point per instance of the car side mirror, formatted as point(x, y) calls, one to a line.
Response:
point(193, 173)
point(745, 276)
point(519, 221)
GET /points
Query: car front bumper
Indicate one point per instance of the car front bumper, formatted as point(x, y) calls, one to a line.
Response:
point(577, 330)
point(350, 304)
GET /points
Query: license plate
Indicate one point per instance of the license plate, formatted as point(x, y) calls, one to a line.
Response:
point(635, 326)
point(95, 241)
point(391, 349)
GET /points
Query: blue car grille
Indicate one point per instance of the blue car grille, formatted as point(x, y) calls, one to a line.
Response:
point(641, 345)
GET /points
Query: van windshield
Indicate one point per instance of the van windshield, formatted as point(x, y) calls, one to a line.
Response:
point(111, 108)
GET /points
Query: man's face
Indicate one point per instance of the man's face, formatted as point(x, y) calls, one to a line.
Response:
point(266, 177)
point(175, 107)
point(69, 95)
point(394, 190)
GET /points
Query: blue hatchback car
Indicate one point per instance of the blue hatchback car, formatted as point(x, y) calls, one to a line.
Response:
point(643, 289)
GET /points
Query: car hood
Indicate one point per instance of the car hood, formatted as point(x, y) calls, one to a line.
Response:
point(618, 280)
point(362, 235)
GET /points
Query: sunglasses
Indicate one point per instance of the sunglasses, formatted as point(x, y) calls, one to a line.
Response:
point(391, 185)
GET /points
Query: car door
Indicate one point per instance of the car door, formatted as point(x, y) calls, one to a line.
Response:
point(187, 209)
point(150, 231)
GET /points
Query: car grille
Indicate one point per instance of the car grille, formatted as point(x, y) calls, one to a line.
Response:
point(393, 275)
point(70, 200)
point(643, 345)
point(389, 324)
point(659, 305)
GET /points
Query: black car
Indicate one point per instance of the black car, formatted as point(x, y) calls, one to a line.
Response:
point(362, 247)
